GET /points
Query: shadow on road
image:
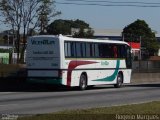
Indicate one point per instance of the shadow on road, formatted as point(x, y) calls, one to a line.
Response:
point(21, 85)
point(145, 85)
point(36, 87)
point(13, 85)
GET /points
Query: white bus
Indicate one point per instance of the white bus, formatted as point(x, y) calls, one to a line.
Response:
point(78, 62)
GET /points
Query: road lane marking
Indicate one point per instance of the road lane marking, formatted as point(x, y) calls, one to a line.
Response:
point(8, 105)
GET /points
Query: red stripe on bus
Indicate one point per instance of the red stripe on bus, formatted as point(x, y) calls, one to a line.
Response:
point(72, 65)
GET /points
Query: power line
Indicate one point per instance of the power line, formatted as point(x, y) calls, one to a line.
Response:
point(106, 1)
point(113, 5)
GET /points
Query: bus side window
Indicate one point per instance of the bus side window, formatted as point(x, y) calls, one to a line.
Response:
point(119, 55)
point(96, 50)
point(111, 51)
point(115, 51)
point(78, 50)
point(92, 50)
point(83, 49)
point(122, 51)
point(106, 50)
point(67, 48)
point(73, 54)
point(101, 50)
point(88, 50)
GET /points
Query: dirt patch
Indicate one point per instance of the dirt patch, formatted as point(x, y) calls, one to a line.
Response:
point(11, 70)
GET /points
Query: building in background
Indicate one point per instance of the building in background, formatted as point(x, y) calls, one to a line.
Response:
point(136, 50)
point(113, 34)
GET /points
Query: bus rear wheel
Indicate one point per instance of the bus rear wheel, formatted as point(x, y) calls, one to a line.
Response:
point(119, 81)
point(83, 82)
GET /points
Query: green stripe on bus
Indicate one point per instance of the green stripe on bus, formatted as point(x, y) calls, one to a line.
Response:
point(113, 76)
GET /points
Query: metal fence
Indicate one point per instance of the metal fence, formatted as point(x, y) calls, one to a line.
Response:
point(137, 66)
point(146, 66)
point(4, 60)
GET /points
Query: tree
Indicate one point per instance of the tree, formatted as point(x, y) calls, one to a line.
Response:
point(59, 27)
point(1, 39)
point(82, 29)
point(140, 29)
point(46, 12)
point(21, 16)
point(80, 24)
point(84, 33)
point(32, 32)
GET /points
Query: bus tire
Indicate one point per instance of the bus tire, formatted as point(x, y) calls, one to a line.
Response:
point(119, 81)
point(83, 82)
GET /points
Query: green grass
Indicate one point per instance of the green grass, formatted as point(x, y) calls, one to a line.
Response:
point(105, 113)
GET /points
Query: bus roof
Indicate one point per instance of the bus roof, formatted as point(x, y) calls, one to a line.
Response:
point(82, 39)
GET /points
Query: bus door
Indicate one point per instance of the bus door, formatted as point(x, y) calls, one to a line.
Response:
point(128, 57)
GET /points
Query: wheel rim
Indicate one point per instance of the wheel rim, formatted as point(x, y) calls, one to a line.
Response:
point(83, 82)
point(119, 80)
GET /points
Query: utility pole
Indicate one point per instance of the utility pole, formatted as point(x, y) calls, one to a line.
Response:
point(122, 36)
point(8, 40)
point(140, 56)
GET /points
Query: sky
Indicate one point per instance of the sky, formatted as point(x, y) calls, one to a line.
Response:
point(111, 17)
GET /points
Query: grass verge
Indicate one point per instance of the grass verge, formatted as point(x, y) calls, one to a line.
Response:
point(144, 111)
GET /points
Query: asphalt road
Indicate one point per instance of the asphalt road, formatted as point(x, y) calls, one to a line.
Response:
point(52, 100)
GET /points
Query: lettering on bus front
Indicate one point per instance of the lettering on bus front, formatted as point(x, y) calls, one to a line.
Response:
point(104, 63)
point(42, 42)
point(43, 52)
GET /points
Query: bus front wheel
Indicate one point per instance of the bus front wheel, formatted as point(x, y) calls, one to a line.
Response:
point(83, 82)
point(119, 81)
